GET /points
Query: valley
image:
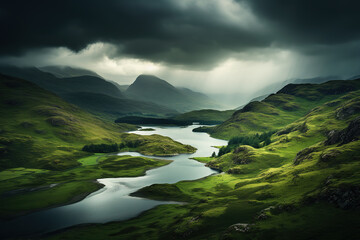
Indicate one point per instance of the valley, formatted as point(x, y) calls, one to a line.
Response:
point(289, 156)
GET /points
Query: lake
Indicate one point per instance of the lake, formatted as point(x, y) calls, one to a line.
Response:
point(112, 202)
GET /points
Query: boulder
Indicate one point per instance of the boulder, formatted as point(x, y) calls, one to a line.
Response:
point(240, 227)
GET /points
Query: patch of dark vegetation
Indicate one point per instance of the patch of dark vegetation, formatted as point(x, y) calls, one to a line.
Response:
point(156, 121)
point(26, 125)
point(13, 102)
point(256, 141)
point(101, 148)
point(201, 129)
point(349, 134)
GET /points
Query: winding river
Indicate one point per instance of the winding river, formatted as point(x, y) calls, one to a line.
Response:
point(112, 202)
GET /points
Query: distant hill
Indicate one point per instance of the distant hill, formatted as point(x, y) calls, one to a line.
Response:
point(64, 85)
point(273, 88)
point(205, 116)
point(66, 71)
point(277, 110)
point(115, 107)
point(153, 89)
point(89, 92)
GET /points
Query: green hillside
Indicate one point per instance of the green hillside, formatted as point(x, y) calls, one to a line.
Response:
point(307, 179)
point(278, 110)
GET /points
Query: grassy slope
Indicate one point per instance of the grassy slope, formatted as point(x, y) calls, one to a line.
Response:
point(293, 191)
point(207, 115)
point(40, 130)
point(278, 110)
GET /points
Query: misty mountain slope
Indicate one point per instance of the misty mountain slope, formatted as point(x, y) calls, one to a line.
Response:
point(122, 88)
point(63, 85)
point(66, 71)
point(277, 110)
point(260, 98)
point(114, 107)
point(92, 93)
point(153, 89)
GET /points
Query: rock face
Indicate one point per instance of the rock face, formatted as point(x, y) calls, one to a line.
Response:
point(344, 198)
point(303, 155)
point(349, 134)
point(347, 111)
point(240, 227)
point(57, 121)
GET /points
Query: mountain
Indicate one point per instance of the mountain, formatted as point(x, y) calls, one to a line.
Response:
point(153, 89)
point(67, 72)
point(287, 105)
point(64, 85)
point(90, 92)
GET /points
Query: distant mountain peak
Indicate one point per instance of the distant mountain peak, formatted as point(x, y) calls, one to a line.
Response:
point(146, 80)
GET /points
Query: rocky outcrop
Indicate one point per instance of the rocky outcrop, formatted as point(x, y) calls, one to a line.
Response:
point(240, 227)
point(344, 198)
point(349, 134)
point(348, 110)
point(303, 155)
point(302, 127)
point(57, 121)
point(242, 155)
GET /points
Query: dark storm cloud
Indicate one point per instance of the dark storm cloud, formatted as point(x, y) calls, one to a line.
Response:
point(155, 30)
point(308, 21)
point(176, 32)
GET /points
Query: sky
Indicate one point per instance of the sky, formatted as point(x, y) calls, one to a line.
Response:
point(214, 46)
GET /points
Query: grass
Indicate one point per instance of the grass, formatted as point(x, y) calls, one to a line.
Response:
point(91, 160)
point(280, 199)
point(281, 109)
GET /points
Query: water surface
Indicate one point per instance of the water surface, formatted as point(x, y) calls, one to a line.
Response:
point(112, 202)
